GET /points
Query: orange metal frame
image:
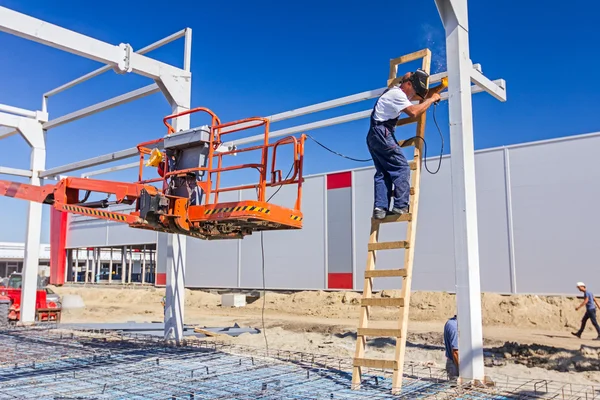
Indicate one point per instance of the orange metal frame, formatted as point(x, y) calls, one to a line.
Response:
point(214, 142)
point(211, 220)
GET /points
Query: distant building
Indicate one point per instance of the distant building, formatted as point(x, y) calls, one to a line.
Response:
point(12, 255)
point(526, 235)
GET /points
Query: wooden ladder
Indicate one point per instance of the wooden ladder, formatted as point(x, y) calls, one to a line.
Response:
point(408, 245)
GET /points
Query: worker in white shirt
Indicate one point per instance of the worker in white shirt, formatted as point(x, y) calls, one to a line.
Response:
point(390, 164)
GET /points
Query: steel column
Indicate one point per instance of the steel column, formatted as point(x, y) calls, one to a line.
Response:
point(123, 261)
point(144, 264)
point(110, 266)
point(69, 264)
point(76, 269)
point(130, 265)
point(33, 133)
point(466, 246)
point(87, 266)
point(175, 291)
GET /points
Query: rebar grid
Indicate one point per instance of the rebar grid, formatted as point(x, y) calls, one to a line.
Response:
point(48, 363)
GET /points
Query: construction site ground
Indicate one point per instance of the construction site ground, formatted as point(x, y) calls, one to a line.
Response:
point(525, 336)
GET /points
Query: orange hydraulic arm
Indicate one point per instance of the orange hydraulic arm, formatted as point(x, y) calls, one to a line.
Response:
point(65, 196)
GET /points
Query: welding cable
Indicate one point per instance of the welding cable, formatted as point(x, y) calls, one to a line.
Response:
point(262, 253)
point(280, 186)
point(415, 137)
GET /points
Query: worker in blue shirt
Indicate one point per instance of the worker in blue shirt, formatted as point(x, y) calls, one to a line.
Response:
point(590, 303)
point(451, 345)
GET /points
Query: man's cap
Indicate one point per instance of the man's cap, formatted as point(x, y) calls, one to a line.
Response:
point(580, 284)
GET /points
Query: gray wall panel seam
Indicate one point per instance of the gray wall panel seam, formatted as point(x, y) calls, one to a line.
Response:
point(509, 219)
point(353, 228)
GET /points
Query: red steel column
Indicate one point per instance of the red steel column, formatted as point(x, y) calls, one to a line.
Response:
point(58, 242)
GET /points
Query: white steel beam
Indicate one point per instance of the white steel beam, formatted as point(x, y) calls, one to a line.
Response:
point(18, 111)
point(187, 49)
point(109, 170)
point(132, 152)
point(7, 132)
point(466, 246)
point(106, 68)
point(326, 105)
point(91, 162)
point(16, 172)
point(326, 122)
point(10, 120)
point(498, 90)
point(102, 106)
point(121, 56)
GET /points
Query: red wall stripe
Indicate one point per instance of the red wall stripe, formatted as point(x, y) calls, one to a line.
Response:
point(58, 242)
point(339, 180)
point(161, 279)
point(339, 280)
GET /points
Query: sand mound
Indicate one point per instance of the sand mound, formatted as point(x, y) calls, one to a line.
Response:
point(531, 311)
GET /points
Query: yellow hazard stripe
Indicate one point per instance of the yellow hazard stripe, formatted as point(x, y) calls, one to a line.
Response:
point(95, 213)
point(212, 211)
point(296, 217)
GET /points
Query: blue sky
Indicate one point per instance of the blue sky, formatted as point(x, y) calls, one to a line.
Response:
point(264, 57)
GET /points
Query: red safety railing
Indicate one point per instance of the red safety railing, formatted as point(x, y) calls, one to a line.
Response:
point(215, 140)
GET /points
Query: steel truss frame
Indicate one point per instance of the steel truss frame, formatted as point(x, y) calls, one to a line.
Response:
point(173, 82)
point(465, 78)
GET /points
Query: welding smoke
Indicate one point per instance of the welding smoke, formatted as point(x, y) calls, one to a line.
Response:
point(434, 39)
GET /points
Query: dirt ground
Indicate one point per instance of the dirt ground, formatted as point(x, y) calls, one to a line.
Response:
point(525, 336)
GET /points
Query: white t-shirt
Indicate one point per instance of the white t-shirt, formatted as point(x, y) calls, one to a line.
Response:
point(391, 104)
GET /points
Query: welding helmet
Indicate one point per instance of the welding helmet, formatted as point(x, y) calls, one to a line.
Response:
point(419, 80)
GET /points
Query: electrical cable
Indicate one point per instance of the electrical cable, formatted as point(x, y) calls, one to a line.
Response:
point(335, 152)
point(415, 137)
point(262, 253)
point(262, 312)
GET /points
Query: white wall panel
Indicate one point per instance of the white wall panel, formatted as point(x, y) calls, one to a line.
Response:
point(555, 222)
point(86, 232)
point(556, 196)
point(294, 259)
point(213, 263)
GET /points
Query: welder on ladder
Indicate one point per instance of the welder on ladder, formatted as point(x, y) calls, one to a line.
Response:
point(390, 163)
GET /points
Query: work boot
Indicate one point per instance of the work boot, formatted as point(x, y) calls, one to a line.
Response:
point(576, 334)
point(399, 211)
point(379, 213)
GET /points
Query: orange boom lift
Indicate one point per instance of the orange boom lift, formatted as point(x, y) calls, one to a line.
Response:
point(190, 169)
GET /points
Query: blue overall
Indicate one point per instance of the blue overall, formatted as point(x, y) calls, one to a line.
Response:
point(390, 164)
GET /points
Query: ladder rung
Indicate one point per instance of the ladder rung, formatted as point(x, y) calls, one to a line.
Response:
point(375, 363)
point(394, 218)
point(388, 245)
point(406, 121)
point(412, 165)
point(379, 332)
point(389, 302)
point(384, 273)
